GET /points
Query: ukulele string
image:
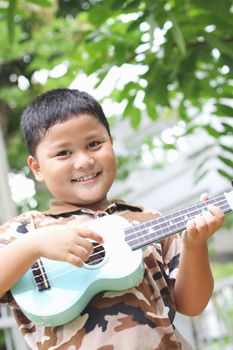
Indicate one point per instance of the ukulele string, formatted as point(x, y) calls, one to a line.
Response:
point(56, 275)
point(221, 204)
point(179, 219)
point(64, 267)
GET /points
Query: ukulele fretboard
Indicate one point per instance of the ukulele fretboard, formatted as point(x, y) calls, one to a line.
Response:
point(156, 229)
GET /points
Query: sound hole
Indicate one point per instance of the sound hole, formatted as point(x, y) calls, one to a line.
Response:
point(97, 255)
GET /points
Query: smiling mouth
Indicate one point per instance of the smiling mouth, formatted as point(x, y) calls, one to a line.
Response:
point(86, 178)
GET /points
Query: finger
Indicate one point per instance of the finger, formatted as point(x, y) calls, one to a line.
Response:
point(201, 224)
point(80, 252)
point(204, 197)
point(83, 243)
point(92, 235)
point(207, 223)
point(217, 212)
point(214, 218)
point(86, 233)
point(191, 226)
point(74, 260)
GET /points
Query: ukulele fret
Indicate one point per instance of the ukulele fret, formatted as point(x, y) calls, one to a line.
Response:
point(39, 276)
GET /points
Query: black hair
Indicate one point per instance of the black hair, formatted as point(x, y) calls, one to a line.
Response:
point(56, 106)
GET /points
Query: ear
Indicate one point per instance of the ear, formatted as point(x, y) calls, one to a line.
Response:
point(35, 168)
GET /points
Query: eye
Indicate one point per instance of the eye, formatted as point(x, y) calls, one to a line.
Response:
point(93, 144)
point(63, 153)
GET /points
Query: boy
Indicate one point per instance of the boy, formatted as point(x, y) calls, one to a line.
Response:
point(71, 151)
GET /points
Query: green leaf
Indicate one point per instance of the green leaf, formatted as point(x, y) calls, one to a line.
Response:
point(135, 118)
point(228, 61)
point(157, 86)
point(186, 71)
point(211, 131)
point(214, 6)
point(177, 34)
point(200, 176)
point(151, 110)
point(228, 128)
point(43, 3)
point(10, 19)
point(190, 130)
point(98, 16)
point(226, 161)
point(183, 113)
point(169, 146)
point(224, 110)
point(132, 113)
point(226, 148)
point(223, 47)
point(225, 174)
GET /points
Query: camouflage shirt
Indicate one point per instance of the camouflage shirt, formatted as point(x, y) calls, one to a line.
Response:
point(139, 318)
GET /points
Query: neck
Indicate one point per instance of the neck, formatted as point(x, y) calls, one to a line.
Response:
point(98, 206)
point(157, 229)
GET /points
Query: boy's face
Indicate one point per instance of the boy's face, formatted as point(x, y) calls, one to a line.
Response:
point(76, 161)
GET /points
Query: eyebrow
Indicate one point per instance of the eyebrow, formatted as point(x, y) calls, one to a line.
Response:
point(90, 136)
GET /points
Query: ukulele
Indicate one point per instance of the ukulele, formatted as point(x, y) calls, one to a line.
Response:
point(53, 293)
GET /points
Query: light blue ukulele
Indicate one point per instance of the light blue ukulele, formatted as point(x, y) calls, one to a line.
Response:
point(53, 293)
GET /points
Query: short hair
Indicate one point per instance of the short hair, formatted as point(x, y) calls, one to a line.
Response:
point(56, 106)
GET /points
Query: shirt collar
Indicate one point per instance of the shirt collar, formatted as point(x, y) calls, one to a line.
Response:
point(57, 207)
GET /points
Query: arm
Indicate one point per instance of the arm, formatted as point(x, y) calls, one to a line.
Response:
point(194, 283)
point(57, 242)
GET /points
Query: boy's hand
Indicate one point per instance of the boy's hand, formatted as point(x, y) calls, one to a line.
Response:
point(203, 226)
point(65, 243)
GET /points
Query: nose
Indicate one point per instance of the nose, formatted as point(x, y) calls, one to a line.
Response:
point(83, 160)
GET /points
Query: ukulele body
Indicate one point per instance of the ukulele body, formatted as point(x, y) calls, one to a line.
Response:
point(71, 288)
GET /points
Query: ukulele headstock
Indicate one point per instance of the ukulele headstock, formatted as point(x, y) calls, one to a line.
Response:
point(229, 196)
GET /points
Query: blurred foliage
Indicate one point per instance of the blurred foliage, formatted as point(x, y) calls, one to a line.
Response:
point(2, 342)
point(182, 50)
point(222, 270)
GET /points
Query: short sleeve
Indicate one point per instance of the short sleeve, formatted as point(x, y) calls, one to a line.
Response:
point(11, 230)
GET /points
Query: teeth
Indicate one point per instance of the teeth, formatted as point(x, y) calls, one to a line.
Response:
point(86, 177)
